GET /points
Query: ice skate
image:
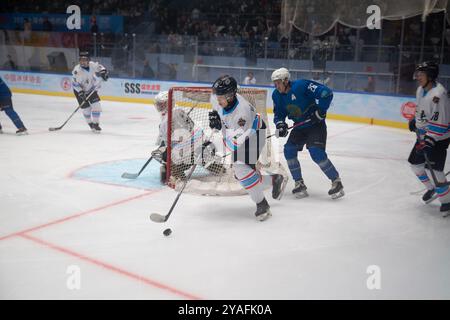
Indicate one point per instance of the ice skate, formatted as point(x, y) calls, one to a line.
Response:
point(429, 196)
point(22, 131)
point(299, 190)
point(337, 189)
point(278, 185)
point(263, 211)
point(445, 209)
point(95, 127)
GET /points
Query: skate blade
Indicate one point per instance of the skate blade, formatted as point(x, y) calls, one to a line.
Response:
point(338, 195)
point(301, 195)
point(283, 186)
point(431, 199)
point(264, 216)
point(22, 133)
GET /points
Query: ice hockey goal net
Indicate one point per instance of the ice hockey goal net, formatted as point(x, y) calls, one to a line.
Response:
point(188, 130)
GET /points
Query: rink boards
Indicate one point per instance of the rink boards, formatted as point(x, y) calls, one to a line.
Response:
point(348, 106)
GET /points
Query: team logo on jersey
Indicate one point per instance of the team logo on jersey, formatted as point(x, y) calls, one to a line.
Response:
point(294, 110)
point(241, 122)
point(293, 97)
point(436, 100)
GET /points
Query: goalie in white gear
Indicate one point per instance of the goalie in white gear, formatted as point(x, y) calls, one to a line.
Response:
point(86, 77)
point(244, 133)
point(183, 127)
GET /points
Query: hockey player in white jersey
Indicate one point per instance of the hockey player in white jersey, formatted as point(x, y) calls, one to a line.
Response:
point(431, 124)
point(183, 127)
point(86, 77)
point(244, 134)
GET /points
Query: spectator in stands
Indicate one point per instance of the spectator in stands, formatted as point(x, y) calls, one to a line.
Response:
point(172, 71)
point(9, 64)
point(370, 84)
point(47, 25)
point(250, 78)
point(148, 72)
point(27, 30)
point(94, 26)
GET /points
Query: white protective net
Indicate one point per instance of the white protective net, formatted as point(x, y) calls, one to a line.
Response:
point(189, 129)
point(316, 17)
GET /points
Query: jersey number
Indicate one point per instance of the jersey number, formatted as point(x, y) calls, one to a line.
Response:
point(312, 87)
point(435, 116)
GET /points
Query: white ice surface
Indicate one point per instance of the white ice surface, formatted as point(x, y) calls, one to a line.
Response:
point(311, 248)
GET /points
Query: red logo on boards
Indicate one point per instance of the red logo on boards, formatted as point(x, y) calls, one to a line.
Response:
point(66, 83)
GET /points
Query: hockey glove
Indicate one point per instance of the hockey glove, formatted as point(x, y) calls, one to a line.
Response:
point(318, 116)
point(425, 147)
point(104, 74)
point(160, 154)
point(282, 129)
point(81, 97)
point(412, 125)
point(214, 120)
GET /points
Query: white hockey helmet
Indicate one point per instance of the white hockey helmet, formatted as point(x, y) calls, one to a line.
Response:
point(161, 101)
point(281, 74)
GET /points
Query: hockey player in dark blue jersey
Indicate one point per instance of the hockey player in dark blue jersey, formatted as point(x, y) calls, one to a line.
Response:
point(305, 102)
point(7, 106)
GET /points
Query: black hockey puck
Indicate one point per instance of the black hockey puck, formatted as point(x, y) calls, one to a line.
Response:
point(167, 232)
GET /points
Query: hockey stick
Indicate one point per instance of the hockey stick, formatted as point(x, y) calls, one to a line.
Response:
point(127, 175)
point(274, 134)
point(429, 165)
point(75, 111)
point(156, 217)
point(291, 127)
point(424, 189)
point(408, 110)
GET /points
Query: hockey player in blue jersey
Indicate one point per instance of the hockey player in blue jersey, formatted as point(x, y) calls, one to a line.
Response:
point(305, 102)
point(7, 106)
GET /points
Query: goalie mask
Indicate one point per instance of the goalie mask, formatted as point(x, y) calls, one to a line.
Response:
point(161, 101)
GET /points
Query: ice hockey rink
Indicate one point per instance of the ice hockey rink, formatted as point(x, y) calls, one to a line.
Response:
point(64, 207)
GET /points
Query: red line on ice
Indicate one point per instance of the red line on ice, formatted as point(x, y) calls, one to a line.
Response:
point(110, 267)
point(51, 223)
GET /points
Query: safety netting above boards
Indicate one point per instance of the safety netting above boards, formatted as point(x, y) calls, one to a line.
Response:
point(319, 16)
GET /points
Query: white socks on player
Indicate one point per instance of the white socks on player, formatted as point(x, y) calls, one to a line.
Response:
point(92, 113)
point(252, 181)
point(419, 171)
point(442, 192)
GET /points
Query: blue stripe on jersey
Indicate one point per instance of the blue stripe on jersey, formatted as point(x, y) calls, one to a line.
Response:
point(256, 122)
point(437, 129)
point(231, 144)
